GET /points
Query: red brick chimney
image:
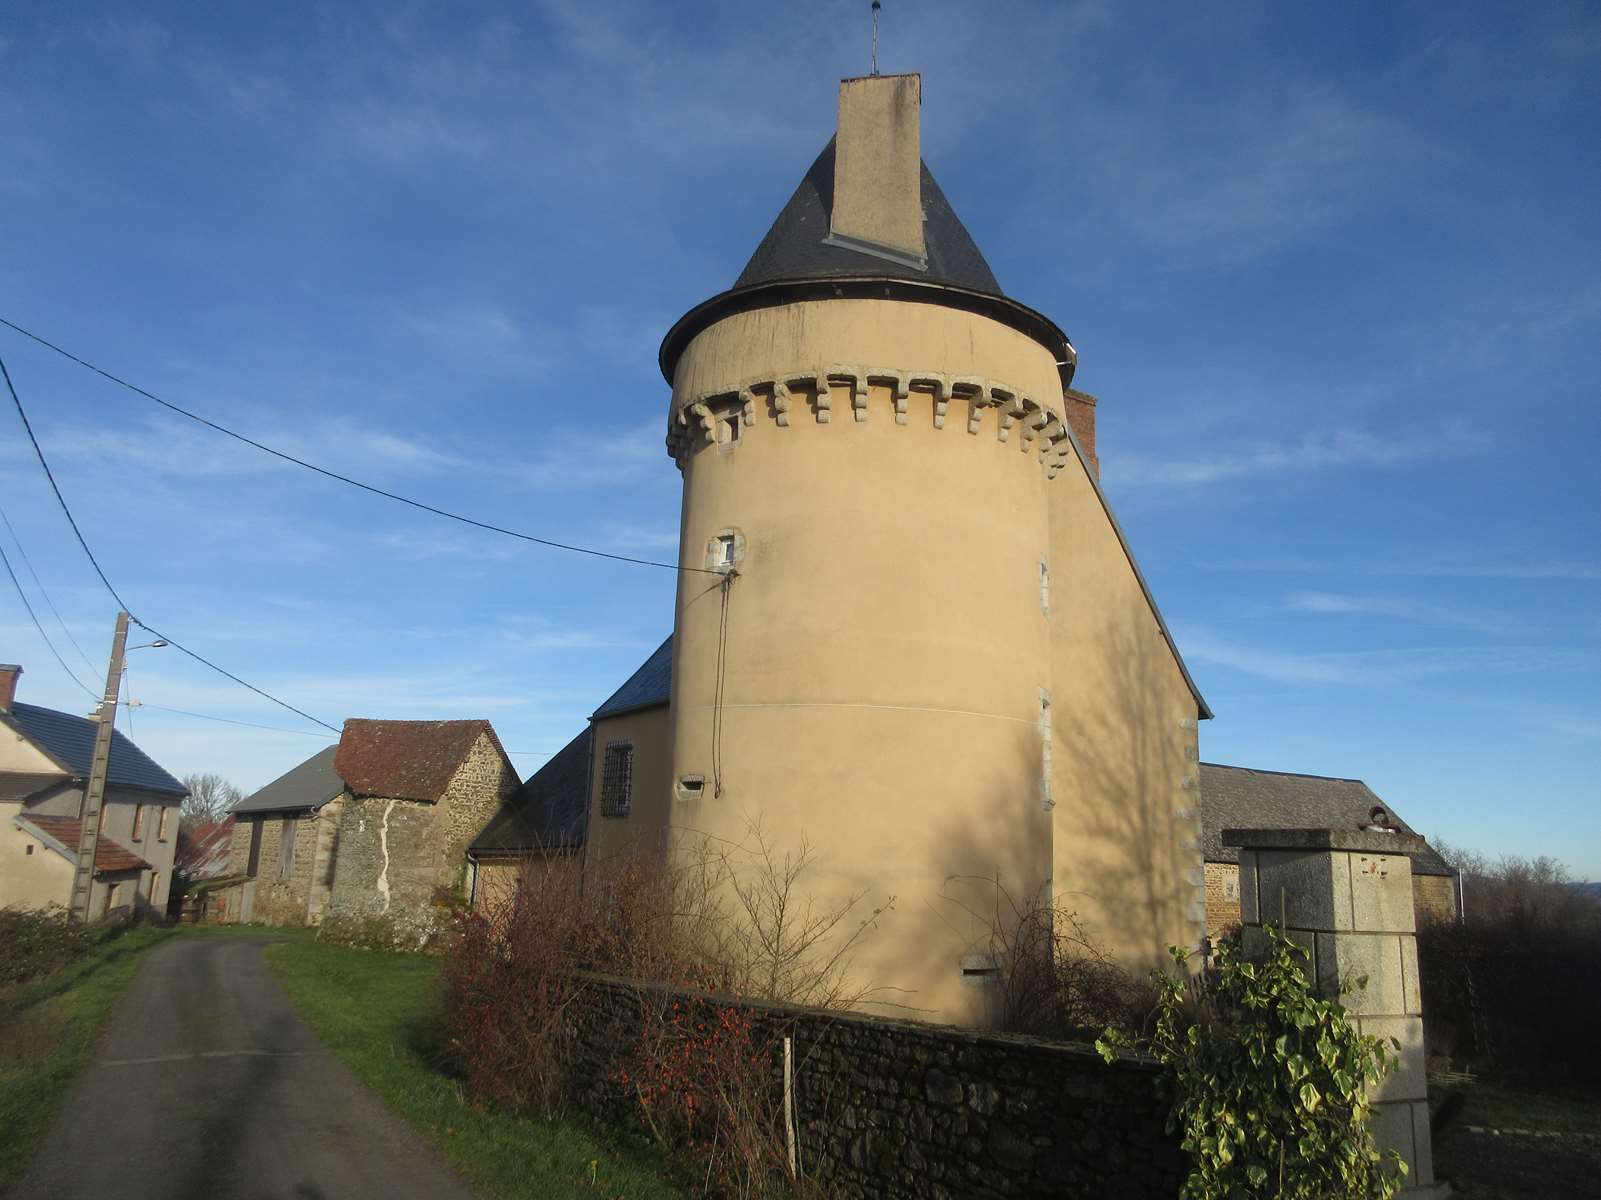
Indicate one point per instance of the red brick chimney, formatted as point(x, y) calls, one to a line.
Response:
point(9, 673)
point(1080, 412)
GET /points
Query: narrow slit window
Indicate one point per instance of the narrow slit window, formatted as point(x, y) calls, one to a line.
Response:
point(725, 550)
point(617, 780)
point(138, 821)
point(691, 787)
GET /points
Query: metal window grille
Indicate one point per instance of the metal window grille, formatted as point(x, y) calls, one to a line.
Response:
point(617, 779)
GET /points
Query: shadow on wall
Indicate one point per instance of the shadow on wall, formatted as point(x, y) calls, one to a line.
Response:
point(1115, 853)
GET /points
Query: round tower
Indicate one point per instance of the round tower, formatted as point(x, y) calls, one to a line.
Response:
point(866, 428)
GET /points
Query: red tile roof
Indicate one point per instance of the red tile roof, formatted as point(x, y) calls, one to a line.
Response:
point(406, 760)
point(109, 855)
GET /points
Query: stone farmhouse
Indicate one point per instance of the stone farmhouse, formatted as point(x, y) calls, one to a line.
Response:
point(375, 825)
point(1242, 798)
point(908, 630)
point(44, 768)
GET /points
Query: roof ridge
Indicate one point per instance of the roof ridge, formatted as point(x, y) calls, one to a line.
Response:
point(1288, 774)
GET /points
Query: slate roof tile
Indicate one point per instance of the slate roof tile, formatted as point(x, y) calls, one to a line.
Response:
point(548, 812)
point(70, 741)
point(1242, 798)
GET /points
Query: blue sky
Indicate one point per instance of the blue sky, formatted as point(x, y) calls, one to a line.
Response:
point(1335, 274)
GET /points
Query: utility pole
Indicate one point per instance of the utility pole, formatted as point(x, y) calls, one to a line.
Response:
point(95, 793)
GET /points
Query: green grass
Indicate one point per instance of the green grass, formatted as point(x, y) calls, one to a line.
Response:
point(378, 1013)
point(47, 1034)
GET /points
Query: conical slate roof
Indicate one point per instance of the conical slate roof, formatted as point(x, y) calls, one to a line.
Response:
point(796, 247)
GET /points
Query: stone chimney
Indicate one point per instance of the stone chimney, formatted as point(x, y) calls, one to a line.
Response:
point(9, 674)
point(878, 169)
point(1079, 409)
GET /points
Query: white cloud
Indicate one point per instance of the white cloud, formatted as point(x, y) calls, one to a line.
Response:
point(1422, 612)
point(1314, 451)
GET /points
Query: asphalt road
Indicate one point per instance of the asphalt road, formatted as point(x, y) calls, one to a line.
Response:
point(208, 1085)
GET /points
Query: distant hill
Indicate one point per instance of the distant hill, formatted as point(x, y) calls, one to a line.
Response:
point(1593, 889)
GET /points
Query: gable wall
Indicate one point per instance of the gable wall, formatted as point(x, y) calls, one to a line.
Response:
point(650, 731)
point(1126, 823)
point(29, 880)
point(396, 853)
point(17, 753)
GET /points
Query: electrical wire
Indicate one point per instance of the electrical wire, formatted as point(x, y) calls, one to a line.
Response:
point(95, 563)
point(184, 712)
point(39, 583)
point(346, 479)
point(23, 596)
point(727, 586)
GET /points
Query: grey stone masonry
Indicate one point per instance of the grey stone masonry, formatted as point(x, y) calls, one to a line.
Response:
point(1346, 897)
point(906, 1111)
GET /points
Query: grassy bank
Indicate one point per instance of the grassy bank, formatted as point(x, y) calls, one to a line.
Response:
point(47, 1034)
point(377, 1012)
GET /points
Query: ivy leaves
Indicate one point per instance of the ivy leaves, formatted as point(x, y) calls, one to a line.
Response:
point(1272, 1082)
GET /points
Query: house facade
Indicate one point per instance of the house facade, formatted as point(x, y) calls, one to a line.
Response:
point(45, 757)
point(374, 824)
point(1243, 798)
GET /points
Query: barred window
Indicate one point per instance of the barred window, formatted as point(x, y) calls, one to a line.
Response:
point(617, 779)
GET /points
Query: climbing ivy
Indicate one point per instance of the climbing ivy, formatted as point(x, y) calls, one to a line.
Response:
point(1271, 1083)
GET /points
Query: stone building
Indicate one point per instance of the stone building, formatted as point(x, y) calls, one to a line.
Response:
point(1242, 798)
point(45, 758)
point(376, 824)
point(908, 630)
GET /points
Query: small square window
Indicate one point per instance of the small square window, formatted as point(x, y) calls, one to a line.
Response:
point(725, 550)
point(728, 427)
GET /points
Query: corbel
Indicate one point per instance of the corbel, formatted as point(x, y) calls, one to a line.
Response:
point(1010, 408)
point(971, 389)
point(940, 387)
point(896, 381)
point(857, 378)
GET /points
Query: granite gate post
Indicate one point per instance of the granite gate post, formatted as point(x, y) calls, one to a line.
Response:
point(1346, 896)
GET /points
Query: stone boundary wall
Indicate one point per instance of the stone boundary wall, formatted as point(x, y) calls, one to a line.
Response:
point(906, 1110)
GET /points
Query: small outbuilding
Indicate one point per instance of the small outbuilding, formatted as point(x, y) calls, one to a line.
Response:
point(1245, 798)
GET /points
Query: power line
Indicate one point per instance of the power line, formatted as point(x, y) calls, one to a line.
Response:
point(23, 596)
point(39, 583)
point(95, 563)
point(346, 479)
point(183, 712)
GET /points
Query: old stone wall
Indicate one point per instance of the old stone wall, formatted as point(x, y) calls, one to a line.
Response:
point(903, 1110)
point(1435, 899)
point(395, 854)
point(283, 897)
point(1222, 898)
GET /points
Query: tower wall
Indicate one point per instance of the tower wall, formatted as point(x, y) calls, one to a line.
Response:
point(885, 646)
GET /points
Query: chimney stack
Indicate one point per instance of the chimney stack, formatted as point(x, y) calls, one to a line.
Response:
point(1079, 409)
point(9, 673)
point(878, 169)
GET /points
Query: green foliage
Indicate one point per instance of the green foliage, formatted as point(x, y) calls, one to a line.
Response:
point(380, 1014)
point(35, 941)
point(1271, 1082)
point(48, 1029)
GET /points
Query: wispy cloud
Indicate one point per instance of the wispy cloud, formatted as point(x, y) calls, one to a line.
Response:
point(1423, 566)
point(1419, 611)
point(169, 446)
point(1377, 668)
point(1315, 451)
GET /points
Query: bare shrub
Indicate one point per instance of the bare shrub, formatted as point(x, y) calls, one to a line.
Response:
point(700, 1074)
point(1055, 980)
point(1510, 990)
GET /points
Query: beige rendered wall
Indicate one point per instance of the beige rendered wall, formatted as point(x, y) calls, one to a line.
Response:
point(650, 731)
point(1126, 826)
point(886, 645)
point(498, 878)
point(29, 880)
point(18, 754)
